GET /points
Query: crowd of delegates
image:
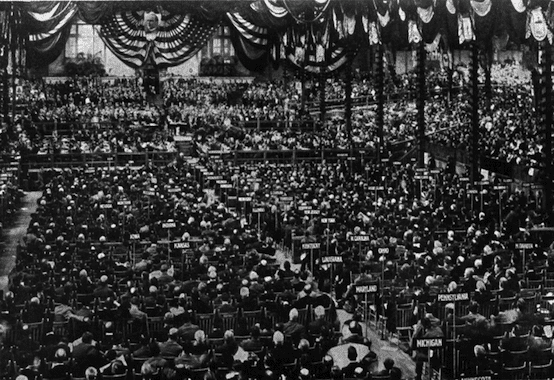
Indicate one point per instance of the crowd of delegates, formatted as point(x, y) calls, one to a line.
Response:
point(10, 196)
point(84, 299)
point(101, 293)
point(425, 256)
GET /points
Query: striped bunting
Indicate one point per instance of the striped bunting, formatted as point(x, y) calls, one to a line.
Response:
point(254, 34)
point(179, 38)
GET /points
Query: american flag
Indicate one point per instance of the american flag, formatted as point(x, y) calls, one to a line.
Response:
point(178, 38)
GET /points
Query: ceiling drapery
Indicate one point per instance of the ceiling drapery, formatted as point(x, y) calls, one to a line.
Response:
point(316, 35)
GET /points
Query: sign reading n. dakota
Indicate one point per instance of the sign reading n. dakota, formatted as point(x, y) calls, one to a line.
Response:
point(525, 245)
point(453, 297)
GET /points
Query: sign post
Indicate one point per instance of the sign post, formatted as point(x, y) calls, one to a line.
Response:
point(430, 343)
point(169, 225)
point(330, 260)
point(259, 211)
point(311, 247)
point(523, 247)
point(453, 298)
point(328, 221)
point(134, 238)
point(366, 290)
point(359, 239)
point(244, 200)
point(500, 189)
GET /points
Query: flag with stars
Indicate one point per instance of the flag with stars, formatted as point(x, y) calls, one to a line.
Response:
point(176, 39)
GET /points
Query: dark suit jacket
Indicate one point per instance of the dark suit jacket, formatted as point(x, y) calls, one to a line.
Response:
point(252, 345)
point(170, 348)
point(294, 329)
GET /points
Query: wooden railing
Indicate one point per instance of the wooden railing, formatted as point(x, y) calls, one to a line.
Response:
point(292, 155)
point(92, 160)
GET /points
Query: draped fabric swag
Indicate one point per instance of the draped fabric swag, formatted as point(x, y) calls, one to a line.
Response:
point(315, 35)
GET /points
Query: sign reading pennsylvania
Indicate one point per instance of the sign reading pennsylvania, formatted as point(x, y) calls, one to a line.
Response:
point(360, 238)
point(365, 289)
point(429, 342)
point(311, 245)
point(331, 259)
point(453, 297)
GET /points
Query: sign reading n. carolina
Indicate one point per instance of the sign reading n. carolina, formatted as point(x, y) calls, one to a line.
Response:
point(453, 297)
point(311, 246)
point(365, 289)
point(429, 342)
point(331, 259)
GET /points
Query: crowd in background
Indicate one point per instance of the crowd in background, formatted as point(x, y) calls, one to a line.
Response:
point(215, 112)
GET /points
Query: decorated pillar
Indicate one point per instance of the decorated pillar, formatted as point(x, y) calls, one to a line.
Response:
point(421, 94)
point(348, 100)
point(474, 104)
point(14, 22)
point(322, 104)
point(380, 87)
point(545, 106)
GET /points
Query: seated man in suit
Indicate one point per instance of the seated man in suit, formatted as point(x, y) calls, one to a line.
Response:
point(293, 328)
point(352, 368)
point(254, 343)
